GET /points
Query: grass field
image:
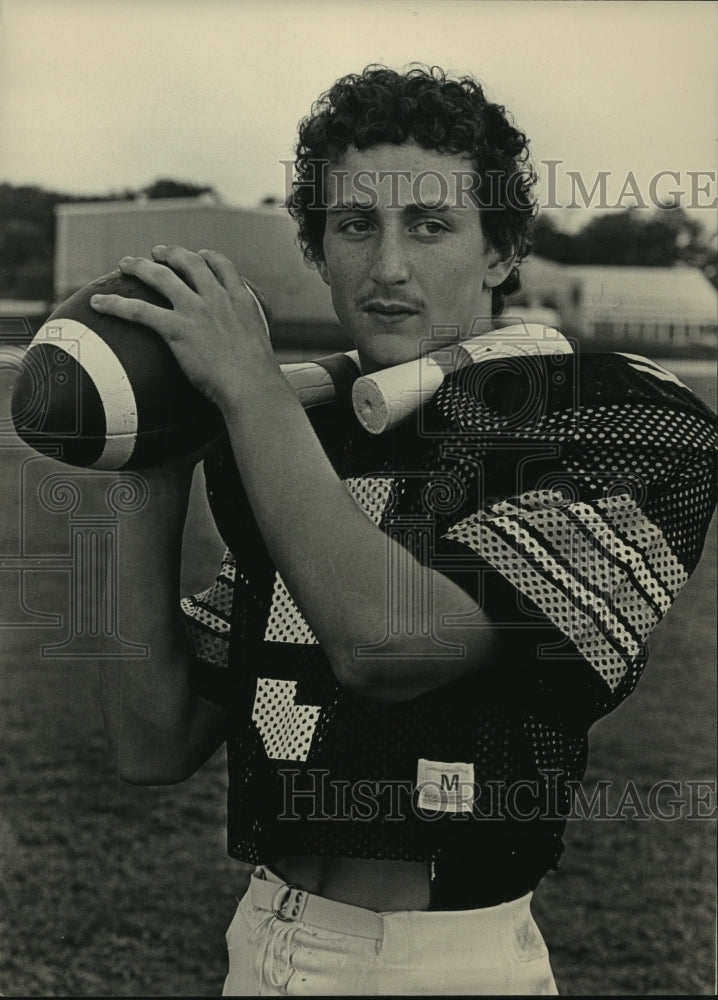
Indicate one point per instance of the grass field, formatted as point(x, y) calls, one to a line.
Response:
point(111, 889)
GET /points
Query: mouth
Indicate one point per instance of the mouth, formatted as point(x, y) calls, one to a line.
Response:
point(389, 310)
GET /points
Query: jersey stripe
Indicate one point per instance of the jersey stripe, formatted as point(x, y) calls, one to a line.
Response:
point(550, 594)
point(603, 574)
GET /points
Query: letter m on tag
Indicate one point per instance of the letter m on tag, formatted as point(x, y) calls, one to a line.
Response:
point(445, 787)
point(449, 783)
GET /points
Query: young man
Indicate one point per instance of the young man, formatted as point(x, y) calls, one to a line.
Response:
point(411, 633)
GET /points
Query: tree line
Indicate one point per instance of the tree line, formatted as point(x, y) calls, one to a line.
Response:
point(630, 237)
point(27, 230)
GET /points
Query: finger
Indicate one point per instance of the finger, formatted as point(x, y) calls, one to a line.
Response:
point(191, 266)
point(161, 278)
point(237, 286)
point(136, 311)
point(223, 269)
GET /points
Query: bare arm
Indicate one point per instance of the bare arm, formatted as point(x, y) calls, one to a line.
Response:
point(160, 729)
point(342, 570)
point(333, 558)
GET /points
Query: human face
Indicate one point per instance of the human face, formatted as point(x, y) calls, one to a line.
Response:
point(405, 255)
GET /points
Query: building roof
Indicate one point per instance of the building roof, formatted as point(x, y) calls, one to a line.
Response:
point(681, 295)
point(646, 294)
point(129, 205)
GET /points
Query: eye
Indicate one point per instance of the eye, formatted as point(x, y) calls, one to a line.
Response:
point(356, 227)
point(430, 227)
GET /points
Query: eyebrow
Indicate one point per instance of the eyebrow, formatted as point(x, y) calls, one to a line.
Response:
point(415, 208)
point(422, 207)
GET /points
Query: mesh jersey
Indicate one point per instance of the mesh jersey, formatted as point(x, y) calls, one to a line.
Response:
point(570, 497)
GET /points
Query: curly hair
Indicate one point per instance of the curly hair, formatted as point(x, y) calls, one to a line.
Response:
point(425, 106)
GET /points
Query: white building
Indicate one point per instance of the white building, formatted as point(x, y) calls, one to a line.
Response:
point(92, 236)
point(666, 308)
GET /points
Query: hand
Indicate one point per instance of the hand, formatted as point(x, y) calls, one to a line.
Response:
point(215, 328)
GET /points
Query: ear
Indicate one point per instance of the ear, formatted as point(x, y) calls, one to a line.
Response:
point(323, 271)
point(498, 269)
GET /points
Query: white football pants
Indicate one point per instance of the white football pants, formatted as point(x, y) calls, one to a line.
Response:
point(495, 950)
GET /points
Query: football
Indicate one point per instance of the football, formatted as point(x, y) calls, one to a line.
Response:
point(101, 392)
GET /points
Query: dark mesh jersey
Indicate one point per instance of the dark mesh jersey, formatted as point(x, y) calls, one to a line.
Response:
point(570, 497)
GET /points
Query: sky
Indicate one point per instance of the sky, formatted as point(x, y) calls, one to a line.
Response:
point(104, 95)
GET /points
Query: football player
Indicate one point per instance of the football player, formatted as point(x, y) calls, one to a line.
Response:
point(410, 633)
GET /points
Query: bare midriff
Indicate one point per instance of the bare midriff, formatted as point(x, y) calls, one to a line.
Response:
point(375, 885)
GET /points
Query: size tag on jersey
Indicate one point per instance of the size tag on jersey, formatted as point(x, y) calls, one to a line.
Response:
point(445, 787)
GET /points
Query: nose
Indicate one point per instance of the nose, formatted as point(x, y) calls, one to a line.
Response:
point(389, 264)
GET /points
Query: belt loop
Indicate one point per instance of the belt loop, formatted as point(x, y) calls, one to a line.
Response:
point(288, 903)
point(277, 908)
